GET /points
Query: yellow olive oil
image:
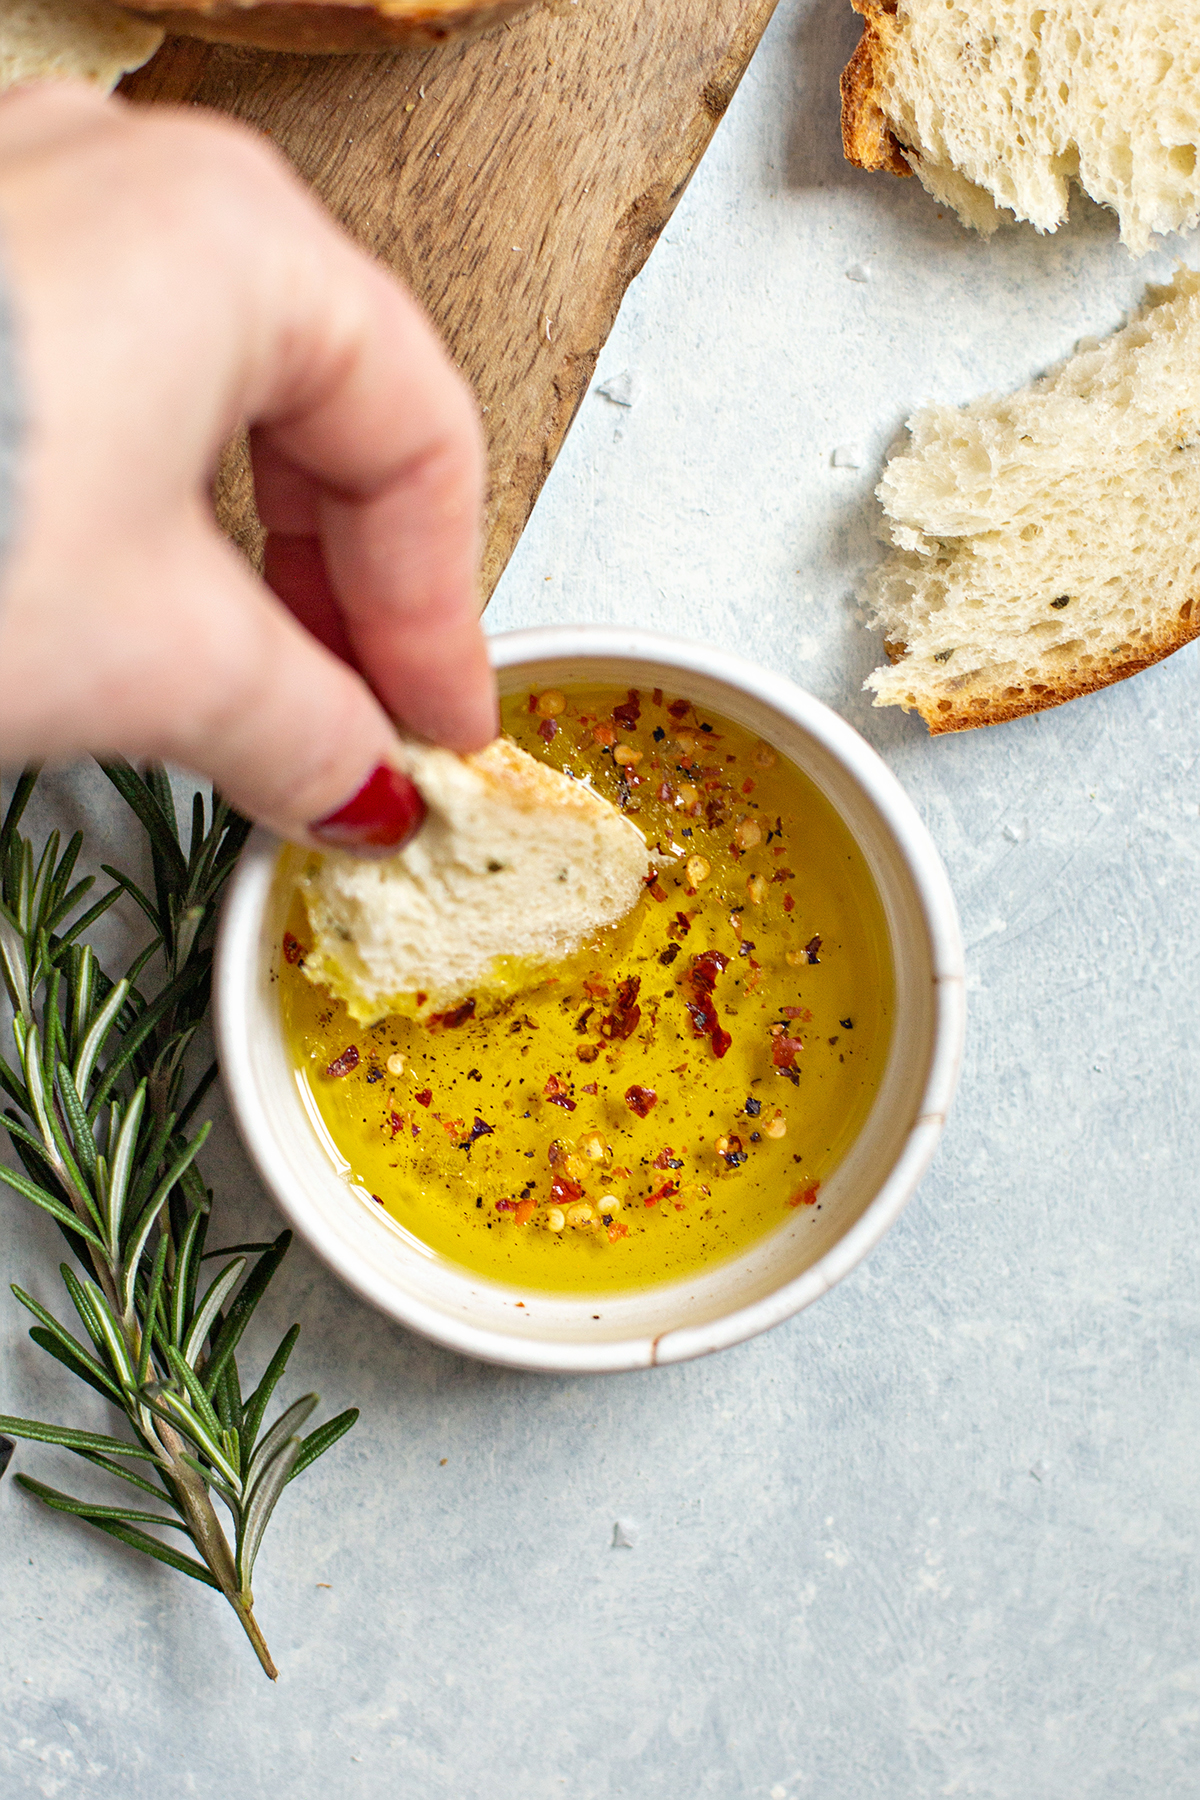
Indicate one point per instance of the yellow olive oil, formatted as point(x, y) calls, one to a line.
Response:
point(683, 1085)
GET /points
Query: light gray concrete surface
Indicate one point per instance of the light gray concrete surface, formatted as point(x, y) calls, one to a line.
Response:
point(938, 1535)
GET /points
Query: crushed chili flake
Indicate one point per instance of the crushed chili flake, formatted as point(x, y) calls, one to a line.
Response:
point(596, 987)
point(784, 1050)
point(589, 1089)
point(640, 1100)
point(458, 1016)
point(617, 1231)
point(805, 1196)
point(667, 956)
point(563, 1188)
point(683, 922)
point(811, 949)
point(630, 711)
point(293, 951)
point(558, 1094)
point(377, 1199)
point(478, 1130)
point(657, 696)
point(678, 708)
point(425, 1097)
point(581, 1022)
point(795, 1012)
point(587, 1053)
point(788, 904)
point(747, 786)
point(343, 1064)
point(701, 978)
point(525, 1211)
point(395, 1122)
point(626, 1015)
point(548, 730)
point(605, 735)
point(665, 1192)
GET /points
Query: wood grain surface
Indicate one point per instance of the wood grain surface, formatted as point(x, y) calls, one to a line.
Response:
point(517, 181)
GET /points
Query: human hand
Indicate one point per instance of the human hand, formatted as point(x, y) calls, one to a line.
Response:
point(170, 281)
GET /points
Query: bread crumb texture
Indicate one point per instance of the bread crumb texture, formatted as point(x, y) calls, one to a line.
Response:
point(515, 866)
point(1047, 543)
point(1000, 104)
point(71, 40)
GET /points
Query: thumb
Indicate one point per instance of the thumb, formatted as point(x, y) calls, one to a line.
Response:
point(290, 734)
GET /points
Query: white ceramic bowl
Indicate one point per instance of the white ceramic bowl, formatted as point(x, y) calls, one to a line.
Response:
point(781, 1273)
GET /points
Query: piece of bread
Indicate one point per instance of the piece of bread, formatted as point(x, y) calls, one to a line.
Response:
point(72, 40)
point(328, 25)
point(514, 867)
point(1003, 103)
point(1047, 543)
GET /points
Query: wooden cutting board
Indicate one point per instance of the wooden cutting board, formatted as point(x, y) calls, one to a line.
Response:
point(517, 182)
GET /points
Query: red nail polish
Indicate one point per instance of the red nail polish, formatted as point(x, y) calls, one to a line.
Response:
point(383, 815)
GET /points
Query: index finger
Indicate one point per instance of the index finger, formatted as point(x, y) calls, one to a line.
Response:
point(370, 483)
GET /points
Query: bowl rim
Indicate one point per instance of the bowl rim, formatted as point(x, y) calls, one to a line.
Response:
point(237, 943)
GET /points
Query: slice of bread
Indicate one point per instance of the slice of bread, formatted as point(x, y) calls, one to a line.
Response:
point(1001, 104)
point(515, 866)
point(80, 40)
point(328, 25)
point(1047, 543)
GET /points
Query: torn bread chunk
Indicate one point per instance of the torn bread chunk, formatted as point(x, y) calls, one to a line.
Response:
point(999, 105)
point(1047, 543)
point(515, 867)
point(72, 40)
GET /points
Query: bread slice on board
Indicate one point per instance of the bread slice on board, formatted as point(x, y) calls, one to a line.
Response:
point(79, 40)
point(515, 866)
point(329, 25)
point(1001, 104)
point(1047, 543)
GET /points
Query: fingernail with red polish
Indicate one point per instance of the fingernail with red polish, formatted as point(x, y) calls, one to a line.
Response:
point(384, 814)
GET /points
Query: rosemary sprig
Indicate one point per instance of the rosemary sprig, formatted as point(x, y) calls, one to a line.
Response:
point(99, 1118)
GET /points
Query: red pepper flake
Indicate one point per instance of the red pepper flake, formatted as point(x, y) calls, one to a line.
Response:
point(525, 1212)
point(425, 1097)
point(788, 904)
point(657, 892)
point(747, 786)
point(666, 796)
point(533, 700)
point(596, 986)
point(641, 1100)
point(377, 1199)
point(811, 948)
point(656, 696)
point(784, 1050)
point(558, 1094)
point(702, 978)
point(616, 1232)
point(548, 730)
point(587, 1053)
point(506, 1206)
point(589, 1089)
point(678, 708)
point(630, 711)
point(563, 1188)
point(683, 921)
point(796, 1012)
point(293, 949)
point(665, 1192)
point(343, 1064)
point(626, 1015)
point(604, 735)
point(459, 1016)
point(805, 1196)
point(395, 1122)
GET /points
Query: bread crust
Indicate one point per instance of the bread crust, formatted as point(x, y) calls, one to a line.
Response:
point(324, 26)
point(965, 711)
point(867, 138)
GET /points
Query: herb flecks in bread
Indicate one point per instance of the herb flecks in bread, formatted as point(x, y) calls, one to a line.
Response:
point(1047, 543)
point(1001, 104)
point(72, 40)
point(515, 866)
